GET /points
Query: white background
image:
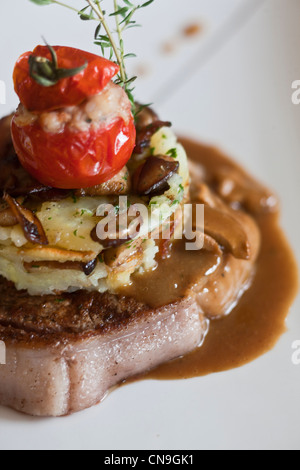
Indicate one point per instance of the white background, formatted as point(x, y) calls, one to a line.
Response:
point(230, 86)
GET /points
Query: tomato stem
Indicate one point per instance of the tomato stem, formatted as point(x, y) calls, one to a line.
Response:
point(47, 73)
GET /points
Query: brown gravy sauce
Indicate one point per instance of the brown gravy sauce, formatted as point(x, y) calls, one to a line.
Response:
point(256, 323)
point(171, 279)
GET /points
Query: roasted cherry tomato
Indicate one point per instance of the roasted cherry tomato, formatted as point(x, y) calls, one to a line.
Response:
point(71, 160)
point(69, 91)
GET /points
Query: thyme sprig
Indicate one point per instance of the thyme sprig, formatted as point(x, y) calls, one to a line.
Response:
point(110, 41)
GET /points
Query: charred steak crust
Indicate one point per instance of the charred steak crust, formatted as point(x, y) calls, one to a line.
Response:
point(79, 315)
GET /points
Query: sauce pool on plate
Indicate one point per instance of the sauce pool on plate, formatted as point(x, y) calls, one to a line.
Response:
point(259, 319)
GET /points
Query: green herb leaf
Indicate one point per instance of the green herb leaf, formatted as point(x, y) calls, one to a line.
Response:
point(74, 197)
point(86, 16)
point(42, 2)
point(174, 203)
point(147, 3)
point(120, 11)
point(129, 56)
point(97, 31)
point(172, 153)
point(128, 3)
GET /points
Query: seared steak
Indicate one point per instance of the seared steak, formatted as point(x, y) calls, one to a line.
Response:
point(65, 353)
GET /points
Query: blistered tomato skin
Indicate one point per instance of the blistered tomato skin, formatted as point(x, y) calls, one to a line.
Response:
point(71, 160)
point(69, 91)
point(78, 132)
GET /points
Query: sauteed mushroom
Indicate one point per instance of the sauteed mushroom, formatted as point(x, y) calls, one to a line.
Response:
point(145, 117)
point(222, 223)
point(32, 227)
point(119, 256)
point(7, 218)
point(124, 230)
point(144, 135)
point(118, 185)
point(153, 175)
point(227, 231)
point(87, 268)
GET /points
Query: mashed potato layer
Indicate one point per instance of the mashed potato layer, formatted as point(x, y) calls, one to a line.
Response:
point(62, 265)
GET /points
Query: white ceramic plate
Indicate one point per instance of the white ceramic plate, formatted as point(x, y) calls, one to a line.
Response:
point(229, 86)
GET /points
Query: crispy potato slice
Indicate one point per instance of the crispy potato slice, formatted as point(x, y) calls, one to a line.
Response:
point(55, 254)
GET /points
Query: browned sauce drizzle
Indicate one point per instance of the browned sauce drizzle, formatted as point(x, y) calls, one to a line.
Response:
point(258, 321)
point(256, 324)
point(172, 278)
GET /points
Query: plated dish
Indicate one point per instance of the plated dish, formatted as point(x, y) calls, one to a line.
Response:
point(79, 313)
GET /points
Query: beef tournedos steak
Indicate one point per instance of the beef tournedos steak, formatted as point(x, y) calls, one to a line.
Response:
point(64, 355)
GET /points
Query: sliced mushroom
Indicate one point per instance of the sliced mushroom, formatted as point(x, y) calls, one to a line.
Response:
point(145, 116)
point(31, 225)
point(204, 195)
point(108, 242)
point(116, 186)
point(43, 193)
point(144, 134)
point(36, 266)
point(232, 183)
point(120, 257)
point(211, 245)
point(7, 218)
point(227, 231)
point(15, 180)
point(125, 227)
point(89, 268)
point(223, 223)
point(236, 187)
point(153, 175)
point(5, 136)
